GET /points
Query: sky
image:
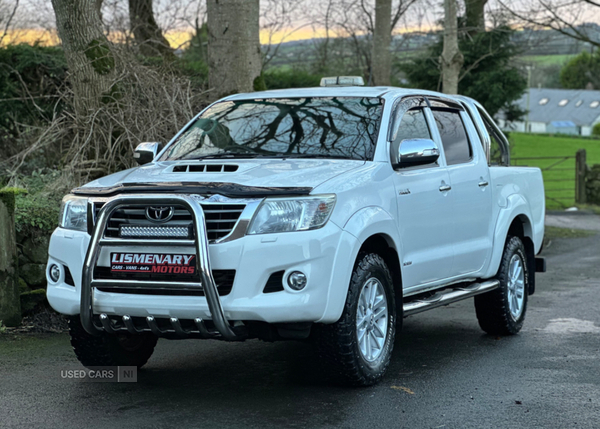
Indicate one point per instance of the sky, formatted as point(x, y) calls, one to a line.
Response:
point(34, 19)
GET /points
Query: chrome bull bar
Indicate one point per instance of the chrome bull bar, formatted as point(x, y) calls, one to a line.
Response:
point(202, 263)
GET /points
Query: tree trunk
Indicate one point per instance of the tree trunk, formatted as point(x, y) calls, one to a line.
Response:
point(146, 31)
point(99, 7)
point(10, 305)
point(475, 16)
point(451, 58)
point(234, 61)
point(89, 54)
point(382, 38)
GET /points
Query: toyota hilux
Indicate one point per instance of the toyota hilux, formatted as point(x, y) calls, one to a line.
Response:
point(326, 214)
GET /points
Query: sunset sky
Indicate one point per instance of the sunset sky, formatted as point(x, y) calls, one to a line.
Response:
point(34, 19)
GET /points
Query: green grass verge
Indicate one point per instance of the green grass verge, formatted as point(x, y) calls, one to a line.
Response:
point(559, 181)
point(552, 232)
point(589, 208)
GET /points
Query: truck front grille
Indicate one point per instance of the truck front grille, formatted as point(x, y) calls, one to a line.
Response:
point(223, 279)
point(131, 222)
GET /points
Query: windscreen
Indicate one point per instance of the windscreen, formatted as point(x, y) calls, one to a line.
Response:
point(312, 127)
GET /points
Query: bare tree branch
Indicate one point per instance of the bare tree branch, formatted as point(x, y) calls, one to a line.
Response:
point(8, 21)
point(403, 6)
point(553, 15)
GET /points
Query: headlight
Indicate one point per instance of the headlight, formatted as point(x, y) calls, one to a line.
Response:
point(292, 214)
point(73, 213)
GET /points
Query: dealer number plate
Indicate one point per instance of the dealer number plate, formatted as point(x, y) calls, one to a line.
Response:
point(158, 263)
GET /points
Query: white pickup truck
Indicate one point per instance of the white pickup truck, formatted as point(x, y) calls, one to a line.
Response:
point(321, 213)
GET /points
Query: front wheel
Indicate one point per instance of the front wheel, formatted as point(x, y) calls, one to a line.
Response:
point(358, 347)
point(122, 349)
point(502, 311)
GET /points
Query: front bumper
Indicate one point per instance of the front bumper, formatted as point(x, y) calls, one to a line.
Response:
point(321, 254)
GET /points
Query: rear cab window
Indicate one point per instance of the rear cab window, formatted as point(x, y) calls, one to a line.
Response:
point(453, 133)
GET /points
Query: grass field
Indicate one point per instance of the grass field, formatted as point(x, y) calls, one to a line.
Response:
point(559, 181)
point(546, 60)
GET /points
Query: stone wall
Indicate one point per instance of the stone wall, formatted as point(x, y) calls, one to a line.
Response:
point(10, 308)
point(592, 185)
point(33, 256)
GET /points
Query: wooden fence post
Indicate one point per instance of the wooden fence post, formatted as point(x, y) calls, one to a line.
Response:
point(10, 304)
point(580, 169)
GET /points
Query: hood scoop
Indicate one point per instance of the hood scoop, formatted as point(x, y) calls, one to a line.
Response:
point(205, 168)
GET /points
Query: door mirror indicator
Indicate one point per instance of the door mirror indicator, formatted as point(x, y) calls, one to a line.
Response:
point(146, 152)
point(413, 152)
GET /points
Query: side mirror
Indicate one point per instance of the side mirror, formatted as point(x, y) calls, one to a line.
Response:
point(146, 152)
point(413, 152)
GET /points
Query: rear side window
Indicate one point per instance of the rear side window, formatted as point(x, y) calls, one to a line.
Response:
point(454, 136)
point(413, 126)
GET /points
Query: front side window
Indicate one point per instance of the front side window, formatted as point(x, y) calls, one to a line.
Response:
point(412, 126)
point(311, 127)
point(454, 136)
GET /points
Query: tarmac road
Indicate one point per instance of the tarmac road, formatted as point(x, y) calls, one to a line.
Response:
point(445, 373)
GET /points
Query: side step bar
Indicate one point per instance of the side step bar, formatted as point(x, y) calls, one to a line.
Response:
point(448, 297)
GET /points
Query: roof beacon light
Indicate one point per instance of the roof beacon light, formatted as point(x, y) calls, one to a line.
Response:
point(343, 81)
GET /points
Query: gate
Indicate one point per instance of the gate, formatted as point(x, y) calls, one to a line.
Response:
point(564, 177)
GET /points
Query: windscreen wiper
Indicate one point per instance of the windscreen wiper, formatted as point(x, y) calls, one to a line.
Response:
point(230, 155)
point(314, 155)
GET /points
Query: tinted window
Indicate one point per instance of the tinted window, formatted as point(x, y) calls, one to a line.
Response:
point(454, 136)
point(344, 127)
point(412, 126)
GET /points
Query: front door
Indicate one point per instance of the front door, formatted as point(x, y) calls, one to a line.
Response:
point(423, 207)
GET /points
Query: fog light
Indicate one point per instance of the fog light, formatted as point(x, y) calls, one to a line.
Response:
point(54, 273)
point(297, 280)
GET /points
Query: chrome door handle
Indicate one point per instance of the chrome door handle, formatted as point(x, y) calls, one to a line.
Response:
point(445, 188)
point(483, 184)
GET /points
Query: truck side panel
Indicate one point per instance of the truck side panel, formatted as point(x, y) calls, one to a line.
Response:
point(517, 192)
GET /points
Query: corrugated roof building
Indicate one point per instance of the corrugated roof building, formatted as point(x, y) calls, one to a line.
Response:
point(564, 111)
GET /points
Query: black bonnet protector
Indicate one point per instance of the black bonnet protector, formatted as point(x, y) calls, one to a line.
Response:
point(232, 190)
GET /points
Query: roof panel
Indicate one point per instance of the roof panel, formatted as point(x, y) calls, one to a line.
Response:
point(578, 113)
point(336, 91)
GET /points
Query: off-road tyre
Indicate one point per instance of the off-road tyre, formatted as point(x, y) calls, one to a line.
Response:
point(110, 350)
point(338, 342)
point(492, 308)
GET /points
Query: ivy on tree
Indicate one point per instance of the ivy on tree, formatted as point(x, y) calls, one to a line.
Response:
point(487, 74)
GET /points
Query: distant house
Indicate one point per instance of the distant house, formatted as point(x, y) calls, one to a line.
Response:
point(557, 111)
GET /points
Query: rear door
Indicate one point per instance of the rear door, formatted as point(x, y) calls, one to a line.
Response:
point(471, 209)
point(423, 208)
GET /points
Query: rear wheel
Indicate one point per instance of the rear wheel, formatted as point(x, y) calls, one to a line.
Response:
point(110, 350)
point(358, 347)
point(502, 311)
